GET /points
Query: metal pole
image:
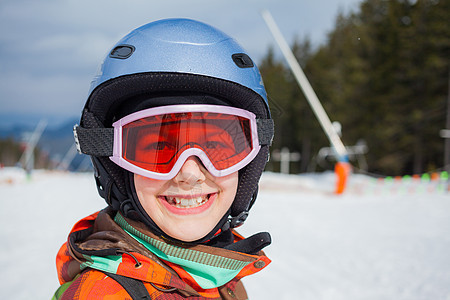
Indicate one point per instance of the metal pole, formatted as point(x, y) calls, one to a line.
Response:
point(447, 140)
point(310, 95)
point(68, 158)
point(31, 144)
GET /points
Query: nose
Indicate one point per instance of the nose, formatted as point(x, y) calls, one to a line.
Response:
point(192, 172)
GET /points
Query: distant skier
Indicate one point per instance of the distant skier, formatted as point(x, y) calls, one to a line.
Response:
point(178, 128)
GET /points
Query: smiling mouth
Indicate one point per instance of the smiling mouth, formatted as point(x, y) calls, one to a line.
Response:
point(191, 202)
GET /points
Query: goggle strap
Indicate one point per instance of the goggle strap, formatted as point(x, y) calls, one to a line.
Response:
point(94, 141)
point(100, 141)
point(265, 131)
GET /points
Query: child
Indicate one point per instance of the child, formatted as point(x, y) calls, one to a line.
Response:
point(178, 128)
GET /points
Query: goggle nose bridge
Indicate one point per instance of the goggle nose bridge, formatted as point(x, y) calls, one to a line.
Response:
point(183, 149)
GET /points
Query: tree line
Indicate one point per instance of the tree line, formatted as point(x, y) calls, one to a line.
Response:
point(383, 73)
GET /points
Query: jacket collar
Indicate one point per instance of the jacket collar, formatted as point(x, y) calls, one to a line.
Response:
point(103, 241)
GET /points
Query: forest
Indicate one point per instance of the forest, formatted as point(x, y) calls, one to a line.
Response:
point(383, 74)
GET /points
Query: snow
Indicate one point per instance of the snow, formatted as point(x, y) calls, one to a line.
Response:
point(375, 241)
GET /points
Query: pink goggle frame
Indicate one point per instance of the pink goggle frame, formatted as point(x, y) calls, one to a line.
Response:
point(184, 154)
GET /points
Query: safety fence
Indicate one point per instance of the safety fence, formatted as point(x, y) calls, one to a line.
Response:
point(427, 183)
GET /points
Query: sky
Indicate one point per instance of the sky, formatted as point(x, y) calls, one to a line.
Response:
point(51, 49)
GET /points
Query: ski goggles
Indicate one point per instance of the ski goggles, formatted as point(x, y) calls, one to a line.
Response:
point(156, 142)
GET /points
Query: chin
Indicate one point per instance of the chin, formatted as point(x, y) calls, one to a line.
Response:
point(187, 235)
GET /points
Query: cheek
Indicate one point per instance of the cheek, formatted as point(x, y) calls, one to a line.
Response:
point(147, 190)
point(145, 183)
point(229, 186)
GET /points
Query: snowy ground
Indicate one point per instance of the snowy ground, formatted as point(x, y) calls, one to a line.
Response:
point(374, 242)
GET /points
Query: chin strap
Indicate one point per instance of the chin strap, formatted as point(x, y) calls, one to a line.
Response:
point(233, 222)
point(236, 221)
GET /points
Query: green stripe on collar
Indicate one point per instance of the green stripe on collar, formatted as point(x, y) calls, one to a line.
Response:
point(208, 270)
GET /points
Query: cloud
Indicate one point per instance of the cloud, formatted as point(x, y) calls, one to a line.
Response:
point(59, 95)
point(50, 49)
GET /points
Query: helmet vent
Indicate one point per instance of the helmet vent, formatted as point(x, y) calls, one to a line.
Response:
point(242, 60)
point(122, 51)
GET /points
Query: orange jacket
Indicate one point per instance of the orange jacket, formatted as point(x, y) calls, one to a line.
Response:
point(97, 243)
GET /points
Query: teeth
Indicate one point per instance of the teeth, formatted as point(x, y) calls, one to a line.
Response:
point(186, 203)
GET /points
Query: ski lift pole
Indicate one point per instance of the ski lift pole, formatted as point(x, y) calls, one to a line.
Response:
point(68, 158)
point(31, 144)
point(342, 167)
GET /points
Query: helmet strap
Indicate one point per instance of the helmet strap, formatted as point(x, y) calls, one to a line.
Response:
point(238, 220)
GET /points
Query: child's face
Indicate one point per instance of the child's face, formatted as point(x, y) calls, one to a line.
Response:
point(188, 206)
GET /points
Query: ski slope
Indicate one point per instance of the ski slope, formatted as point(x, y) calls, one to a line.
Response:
point(370, 243)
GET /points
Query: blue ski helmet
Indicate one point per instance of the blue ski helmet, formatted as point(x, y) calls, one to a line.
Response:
point(180, 59)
